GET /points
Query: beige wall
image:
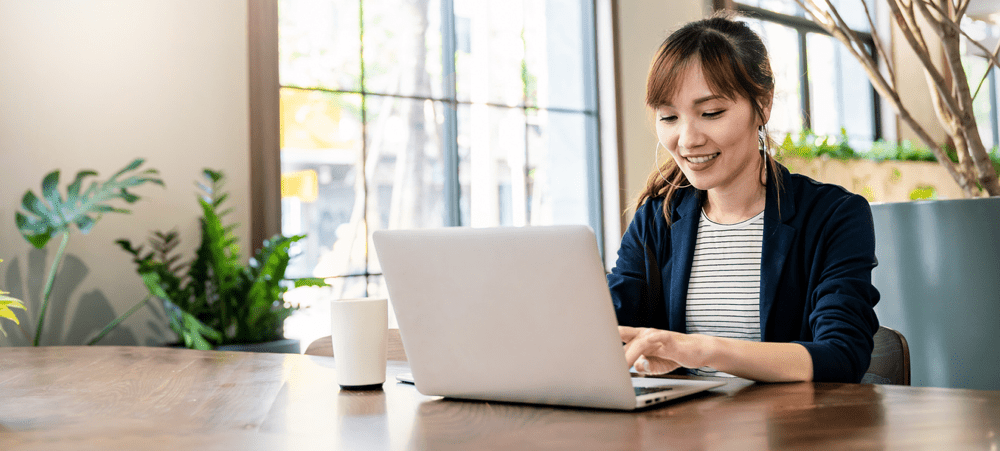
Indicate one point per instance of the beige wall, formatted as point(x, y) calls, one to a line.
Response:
point(911, 82)
point(642, 27)
point(92, 85)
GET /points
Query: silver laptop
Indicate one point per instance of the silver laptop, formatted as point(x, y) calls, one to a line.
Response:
point(515, 315)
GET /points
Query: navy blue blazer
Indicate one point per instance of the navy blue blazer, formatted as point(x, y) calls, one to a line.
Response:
point(818, 252)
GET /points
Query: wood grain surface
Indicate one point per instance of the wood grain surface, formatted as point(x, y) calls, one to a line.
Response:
point(79, 398)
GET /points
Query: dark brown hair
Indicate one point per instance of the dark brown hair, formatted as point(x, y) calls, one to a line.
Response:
point(735, 63)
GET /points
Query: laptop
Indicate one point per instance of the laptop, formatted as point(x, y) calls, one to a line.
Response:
point(513, 314)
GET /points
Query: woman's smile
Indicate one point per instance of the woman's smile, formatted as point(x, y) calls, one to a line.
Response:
point(698, 161)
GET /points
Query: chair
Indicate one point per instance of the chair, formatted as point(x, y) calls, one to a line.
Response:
point(324, 347)
point(890, 359)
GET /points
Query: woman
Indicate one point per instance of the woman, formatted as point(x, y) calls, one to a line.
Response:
point(731, 264)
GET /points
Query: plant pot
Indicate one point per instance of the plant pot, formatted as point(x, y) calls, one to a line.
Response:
point(939, 276)
point(283, 346)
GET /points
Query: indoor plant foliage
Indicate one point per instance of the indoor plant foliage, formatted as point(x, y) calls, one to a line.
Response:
point(53, 215)
point(6, 304)
point(917, 20)
point(214, 299)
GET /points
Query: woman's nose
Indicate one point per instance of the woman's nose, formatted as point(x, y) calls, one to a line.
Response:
point(690, 136)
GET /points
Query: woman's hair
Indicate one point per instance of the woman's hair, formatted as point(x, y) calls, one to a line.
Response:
point(735, 63)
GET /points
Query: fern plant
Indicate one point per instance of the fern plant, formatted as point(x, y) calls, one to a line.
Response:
point(53, 215)
point(214, 299)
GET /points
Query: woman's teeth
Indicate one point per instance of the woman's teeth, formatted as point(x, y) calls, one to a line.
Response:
point(702, 159)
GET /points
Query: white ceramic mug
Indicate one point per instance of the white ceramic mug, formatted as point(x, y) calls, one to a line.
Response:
point(359, 335)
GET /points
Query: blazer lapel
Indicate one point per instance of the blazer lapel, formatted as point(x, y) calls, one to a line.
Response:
point(682, 239)
point(777, 241)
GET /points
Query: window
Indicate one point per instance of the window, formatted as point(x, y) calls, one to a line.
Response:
point(819, 86)
point(976, 65)
point(429, 113)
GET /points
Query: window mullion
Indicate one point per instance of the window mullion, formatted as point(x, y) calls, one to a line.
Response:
point(449, 140)
point(804, 81)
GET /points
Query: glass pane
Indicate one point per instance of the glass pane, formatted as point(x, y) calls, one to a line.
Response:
point(559, 54)
point(320, 44)
point(489, 56)
point(404, 166)
point(783, 49)
point(840, 95)
point(975, 69)
point(402, 47)
point(557, 167)
point(853, 13)
point(320, 148)
point(491, 168)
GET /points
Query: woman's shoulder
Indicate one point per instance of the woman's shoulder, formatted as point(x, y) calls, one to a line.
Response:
point(652, 208)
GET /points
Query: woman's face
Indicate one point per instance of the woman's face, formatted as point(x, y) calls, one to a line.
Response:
point(711, 138)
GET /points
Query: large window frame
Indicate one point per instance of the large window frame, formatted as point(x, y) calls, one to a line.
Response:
point(265, 163)
point(604, 170)
point(802, 27)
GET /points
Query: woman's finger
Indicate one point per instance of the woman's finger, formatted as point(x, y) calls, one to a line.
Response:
point(636, 347)
point(627, 333)
point(657, 365)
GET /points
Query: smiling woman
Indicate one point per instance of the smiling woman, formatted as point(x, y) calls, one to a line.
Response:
point(720, 223)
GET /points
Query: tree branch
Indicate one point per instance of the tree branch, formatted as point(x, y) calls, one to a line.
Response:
point(915, 39)
point(879, 49)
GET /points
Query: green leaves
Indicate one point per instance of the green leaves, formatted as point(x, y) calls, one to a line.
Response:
point(266, 271)
point(6, 304)
point(219, 300)
point(53, 214)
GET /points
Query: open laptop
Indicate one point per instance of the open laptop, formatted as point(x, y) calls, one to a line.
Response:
point(513, 314)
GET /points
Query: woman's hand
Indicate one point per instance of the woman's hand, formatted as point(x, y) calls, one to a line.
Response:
point(655, 351)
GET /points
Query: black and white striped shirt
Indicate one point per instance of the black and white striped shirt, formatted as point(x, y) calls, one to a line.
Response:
point(723, 296)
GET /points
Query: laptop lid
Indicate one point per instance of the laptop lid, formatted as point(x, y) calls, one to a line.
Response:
point(507, 314)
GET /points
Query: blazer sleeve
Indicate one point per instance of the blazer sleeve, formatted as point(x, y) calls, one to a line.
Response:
point(841, 304)
point(635, 282)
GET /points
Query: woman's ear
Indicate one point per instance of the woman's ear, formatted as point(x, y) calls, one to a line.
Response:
point(765, 106)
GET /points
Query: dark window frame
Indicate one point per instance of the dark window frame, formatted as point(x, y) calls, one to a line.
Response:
point(804, 26)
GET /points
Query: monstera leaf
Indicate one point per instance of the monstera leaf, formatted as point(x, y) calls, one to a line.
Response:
point(52, 214)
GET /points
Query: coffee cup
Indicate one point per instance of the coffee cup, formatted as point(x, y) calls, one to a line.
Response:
point(359, 331)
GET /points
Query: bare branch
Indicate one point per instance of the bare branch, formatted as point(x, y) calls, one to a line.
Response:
point(937, 22)
point(879, 49)
point(915, 39)
point(992, 56)
point(960, 9)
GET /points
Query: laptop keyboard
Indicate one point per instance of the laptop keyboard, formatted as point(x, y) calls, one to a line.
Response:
point(639, 391)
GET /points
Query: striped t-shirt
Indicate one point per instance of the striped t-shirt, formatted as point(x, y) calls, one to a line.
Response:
point(723, 296)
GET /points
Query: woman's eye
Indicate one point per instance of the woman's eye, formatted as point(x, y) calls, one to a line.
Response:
point(668, 118)
point(713, 113)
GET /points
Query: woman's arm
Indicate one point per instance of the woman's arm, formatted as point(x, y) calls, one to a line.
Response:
point(659, 351)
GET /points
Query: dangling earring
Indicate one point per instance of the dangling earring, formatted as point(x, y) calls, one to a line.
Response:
point(765, 145)
point(656, 161)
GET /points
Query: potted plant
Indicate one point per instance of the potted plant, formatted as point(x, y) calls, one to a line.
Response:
point(54, 215)
point(938, 260)
point(214, 301)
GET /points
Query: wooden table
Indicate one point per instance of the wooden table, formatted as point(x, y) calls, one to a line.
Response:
point(76, 398)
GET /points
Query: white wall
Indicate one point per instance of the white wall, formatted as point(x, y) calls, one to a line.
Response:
point(642, 27)
point(93, 84)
